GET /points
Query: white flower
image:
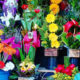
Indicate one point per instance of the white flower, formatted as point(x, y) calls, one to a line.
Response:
point(17, 17)
point(9, 66)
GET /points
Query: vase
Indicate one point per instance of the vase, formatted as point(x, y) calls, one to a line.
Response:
point(4, 75)
point(74, 54)
point(52, 57)
point(26, 78)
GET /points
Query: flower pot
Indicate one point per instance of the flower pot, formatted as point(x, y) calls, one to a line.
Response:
point(25, 78)
point(74, 53)
point(4, 75)
point(52, 57)
point(51, 52)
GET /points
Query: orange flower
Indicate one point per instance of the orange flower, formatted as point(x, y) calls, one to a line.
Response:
point(54, 8)
point(1, 47)
point(56, 1)
point(9, 50)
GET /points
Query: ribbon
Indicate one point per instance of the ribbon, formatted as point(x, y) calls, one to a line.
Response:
point(11, 42)
point(35, 42)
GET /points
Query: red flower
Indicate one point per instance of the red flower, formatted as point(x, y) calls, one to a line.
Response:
point(68, 71)
point(60, 68)
point(72, 66)
point(63, 5)
point(75, 22)
point(67, 26)
point(37, 10)
point(2, 64)
point(24, 6)
point(69, 34)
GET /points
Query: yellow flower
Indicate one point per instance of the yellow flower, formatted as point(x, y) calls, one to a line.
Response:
point(1, 32)
point(50, 18)
point(55, 76)
point(23, 69)
point(56, 1)
point(53, 37)
point(54, 8)
point(53, 27)
point(44, 42)
point(55, 44)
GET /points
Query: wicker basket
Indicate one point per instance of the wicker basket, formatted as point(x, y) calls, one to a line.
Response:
point(74, 53)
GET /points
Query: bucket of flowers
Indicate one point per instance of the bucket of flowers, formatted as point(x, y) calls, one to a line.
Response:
point(5, 66)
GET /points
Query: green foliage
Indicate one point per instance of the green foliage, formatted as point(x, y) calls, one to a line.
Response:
point(66, 61)
point(31, 53)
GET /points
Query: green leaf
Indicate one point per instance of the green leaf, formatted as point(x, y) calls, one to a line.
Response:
point(13, 77)
point(78, 37)
point(21, 54)
point(24, 24)
point(66, 61)
point(31, 53)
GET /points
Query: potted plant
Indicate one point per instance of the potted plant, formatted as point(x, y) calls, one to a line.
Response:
point(5, 67)
point(25, 69)
point(49, 36)
point(71, 38)
point(65, 72)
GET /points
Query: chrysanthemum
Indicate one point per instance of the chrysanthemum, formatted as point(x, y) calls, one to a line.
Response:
point(54, 8)
point(56, 1)
point(50, 18)
point(53, 27)
point(53, 37)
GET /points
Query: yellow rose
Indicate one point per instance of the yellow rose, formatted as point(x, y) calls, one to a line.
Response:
point(53, 27)
point(53, 37)
point(50, 18)
point(54, 8)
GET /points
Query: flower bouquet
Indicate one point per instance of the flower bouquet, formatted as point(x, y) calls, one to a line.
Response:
point(5, 66)
point(71, 37)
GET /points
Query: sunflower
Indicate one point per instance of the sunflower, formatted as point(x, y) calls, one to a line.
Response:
point(50, 18)
point(56, 1)
point(54, 8)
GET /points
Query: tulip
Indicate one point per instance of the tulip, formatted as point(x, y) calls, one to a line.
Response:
point(37, 10)
point(24, 6)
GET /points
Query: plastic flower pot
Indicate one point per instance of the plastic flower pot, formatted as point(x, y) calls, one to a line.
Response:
point(26, 78)
point(4, 75)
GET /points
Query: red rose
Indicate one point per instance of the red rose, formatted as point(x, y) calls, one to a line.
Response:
point(60, 68)
point(72, 66)
point(37, 10)
point(24, 6)
point(2, 64)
